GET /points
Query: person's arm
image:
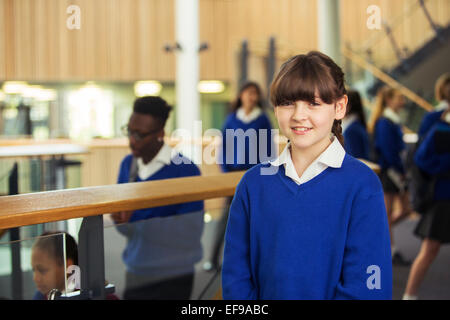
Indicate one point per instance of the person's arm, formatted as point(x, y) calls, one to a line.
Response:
point(428, 159)
point(367, 266)
point(237, 280)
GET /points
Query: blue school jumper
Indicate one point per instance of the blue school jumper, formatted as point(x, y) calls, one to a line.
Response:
point(163, 245)
point(388, 144)
point(433, 162)
point(239, 156)
point(357, 141)
point(327, 238)
point(428, 121)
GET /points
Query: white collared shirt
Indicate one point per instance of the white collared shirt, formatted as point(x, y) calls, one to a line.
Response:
point(333, 156)
point(247, 118)
point(391, 115)
point(161, 159)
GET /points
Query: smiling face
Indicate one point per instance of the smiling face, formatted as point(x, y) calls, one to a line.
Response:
point(309, 95)
point(308, 124)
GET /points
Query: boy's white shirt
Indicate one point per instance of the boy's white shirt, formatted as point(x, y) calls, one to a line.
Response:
point(161, 159)
point(333, 156)
point(247, 118)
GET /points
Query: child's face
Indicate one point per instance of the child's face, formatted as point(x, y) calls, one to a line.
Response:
point(308, 124)
point(397, 101)
point(249, 97)
point(48, 274)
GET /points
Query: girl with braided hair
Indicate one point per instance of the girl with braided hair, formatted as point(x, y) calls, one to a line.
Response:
point(312, 223)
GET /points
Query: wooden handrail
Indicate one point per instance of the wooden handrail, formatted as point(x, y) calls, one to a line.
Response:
point(387, 79)
point(43, 207)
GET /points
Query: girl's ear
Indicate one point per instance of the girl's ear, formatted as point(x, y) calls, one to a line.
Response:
point(341, 107)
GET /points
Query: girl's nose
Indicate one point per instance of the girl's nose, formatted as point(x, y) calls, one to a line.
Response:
point(300, 111)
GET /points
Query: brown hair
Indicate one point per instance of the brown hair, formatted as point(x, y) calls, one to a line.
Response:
point(237, 103)
point(383, 95)
point(302, 76)
point(441, 89)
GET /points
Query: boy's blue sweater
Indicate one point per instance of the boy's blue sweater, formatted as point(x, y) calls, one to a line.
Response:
point(357, 141)
point(239, 157)
point(319, 240)
point(168, 244)
point(428, 159)
point(169, 171)
point(388, 144)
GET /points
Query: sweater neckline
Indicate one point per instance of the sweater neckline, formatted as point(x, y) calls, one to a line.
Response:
point(295, 188)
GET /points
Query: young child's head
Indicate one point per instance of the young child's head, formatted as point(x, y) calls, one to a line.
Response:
point(442, 88)
point(47, 260)
point(249, 96)
point(310, 100)
point(387, 97)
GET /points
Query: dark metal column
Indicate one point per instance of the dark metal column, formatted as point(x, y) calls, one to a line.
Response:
point(91, 257)
point(15, 245)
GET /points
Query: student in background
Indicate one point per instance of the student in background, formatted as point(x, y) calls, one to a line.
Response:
point(433, 157)
point(442, 94)
point(354, 128)
point(163, 243)
point(388, 144)
point(248, 116)
point(47, 262)
point(302, 226)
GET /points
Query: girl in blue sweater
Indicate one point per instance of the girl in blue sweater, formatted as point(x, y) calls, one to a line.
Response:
point(354, 128)
point(312, 223)
point(246, 140)
point(433, 157)
point(248, 118)
point(386, 129)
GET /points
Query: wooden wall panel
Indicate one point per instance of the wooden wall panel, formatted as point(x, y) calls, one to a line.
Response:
point(124, 39)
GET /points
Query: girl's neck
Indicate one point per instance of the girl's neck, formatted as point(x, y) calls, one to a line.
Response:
point(302, 158)
point(247, 109)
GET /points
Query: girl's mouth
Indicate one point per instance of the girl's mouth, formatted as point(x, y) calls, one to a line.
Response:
point(301, 130)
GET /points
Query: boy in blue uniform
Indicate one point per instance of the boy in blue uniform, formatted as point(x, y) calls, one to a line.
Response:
point(161, 251)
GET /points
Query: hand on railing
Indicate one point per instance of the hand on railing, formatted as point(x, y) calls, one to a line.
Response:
point(121, 217)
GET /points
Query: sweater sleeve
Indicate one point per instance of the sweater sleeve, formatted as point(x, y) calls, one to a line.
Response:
point(428, 159)
point(367, 266)
point(237, 280)
point(389, 142)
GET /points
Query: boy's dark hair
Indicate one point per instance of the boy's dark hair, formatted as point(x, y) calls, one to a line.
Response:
point(154, 106)
point(355, 106)
point(52, 243)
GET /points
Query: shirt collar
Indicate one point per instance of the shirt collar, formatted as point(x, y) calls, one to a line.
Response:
point(333, 156)
point(163, 156)
point(391, 115)
point(246, 118)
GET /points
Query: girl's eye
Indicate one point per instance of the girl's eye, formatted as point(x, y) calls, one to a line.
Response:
point(314, 104)
point(286, 103)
